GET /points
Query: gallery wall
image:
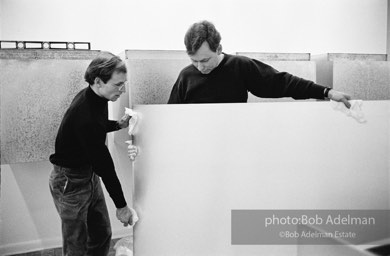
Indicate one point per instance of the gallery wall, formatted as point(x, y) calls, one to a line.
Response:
point(303, 26)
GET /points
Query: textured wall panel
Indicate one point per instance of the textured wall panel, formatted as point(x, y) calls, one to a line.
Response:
point(356, 57)
point(293, 63)
point(151, 81)
point(277, 56)
point(366, 80)
point(34, 96)
point(198, 162)
point(153, 73)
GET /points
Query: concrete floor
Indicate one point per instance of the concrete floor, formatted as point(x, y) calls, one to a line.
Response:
point(58, 251)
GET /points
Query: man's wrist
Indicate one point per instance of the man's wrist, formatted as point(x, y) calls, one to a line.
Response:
point(118, 125)
point(121, 209)
point(326, 93)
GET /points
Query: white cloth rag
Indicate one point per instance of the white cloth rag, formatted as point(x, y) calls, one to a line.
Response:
point(355, 111)
point(133, 120)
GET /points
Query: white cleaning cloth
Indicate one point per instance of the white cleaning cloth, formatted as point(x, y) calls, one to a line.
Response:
point(124, 246)
point(355, 111)
point(133, 120)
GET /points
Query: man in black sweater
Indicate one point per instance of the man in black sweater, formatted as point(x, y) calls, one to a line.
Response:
point(81, 157)
point(216, 77)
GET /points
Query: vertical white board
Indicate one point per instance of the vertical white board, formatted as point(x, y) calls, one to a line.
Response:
point(198, 162)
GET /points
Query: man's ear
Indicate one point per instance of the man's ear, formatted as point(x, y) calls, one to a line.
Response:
point(219, 49)
point(97, 82)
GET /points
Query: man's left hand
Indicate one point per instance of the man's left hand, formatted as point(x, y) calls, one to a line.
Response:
point(125, 216)
point(340, 97)
point(124, 122)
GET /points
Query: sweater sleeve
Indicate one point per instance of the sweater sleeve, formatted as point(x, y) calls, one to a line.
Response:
point(112, 126)
point(92, 140)
point(265, 81)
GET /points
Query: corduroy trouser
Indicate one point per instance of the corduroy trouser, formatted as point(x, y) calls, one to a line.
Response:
point(79, 200)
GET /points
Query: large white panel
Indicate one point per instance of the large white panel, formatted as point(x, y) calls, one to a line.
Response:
point(198, 162)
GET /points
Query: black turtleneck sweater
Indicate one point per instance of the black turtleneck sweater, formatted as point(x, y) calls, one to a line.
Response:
point(231, 80)
point(81, 141)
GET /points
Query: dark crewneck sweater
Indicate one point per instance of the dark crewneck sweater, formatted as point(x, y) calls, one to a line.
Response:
point(81, 141)
point(231, 80)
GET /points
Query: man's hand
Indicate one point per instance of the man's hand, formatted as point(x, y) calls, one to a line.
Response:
point(124, 122)
point(132, 150)
point(125, 216)
point(340, 97)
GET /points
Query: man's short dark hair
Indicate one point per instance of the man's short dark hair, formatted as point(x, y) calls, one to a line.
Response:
point(103, 66)
point(200, 32)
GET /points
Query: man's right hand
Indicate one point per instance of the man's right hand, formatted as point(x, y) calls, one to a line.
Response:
point(125, 216)
point(340, 97)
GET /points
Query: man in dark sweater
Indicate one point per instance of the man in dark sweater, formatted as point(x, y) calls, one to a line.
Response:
point(216, 77)
point(81, 157)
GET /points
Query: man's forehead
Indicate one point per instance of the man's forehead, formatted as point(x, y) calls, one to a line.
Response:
point(199, 58)
point(203, 53)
